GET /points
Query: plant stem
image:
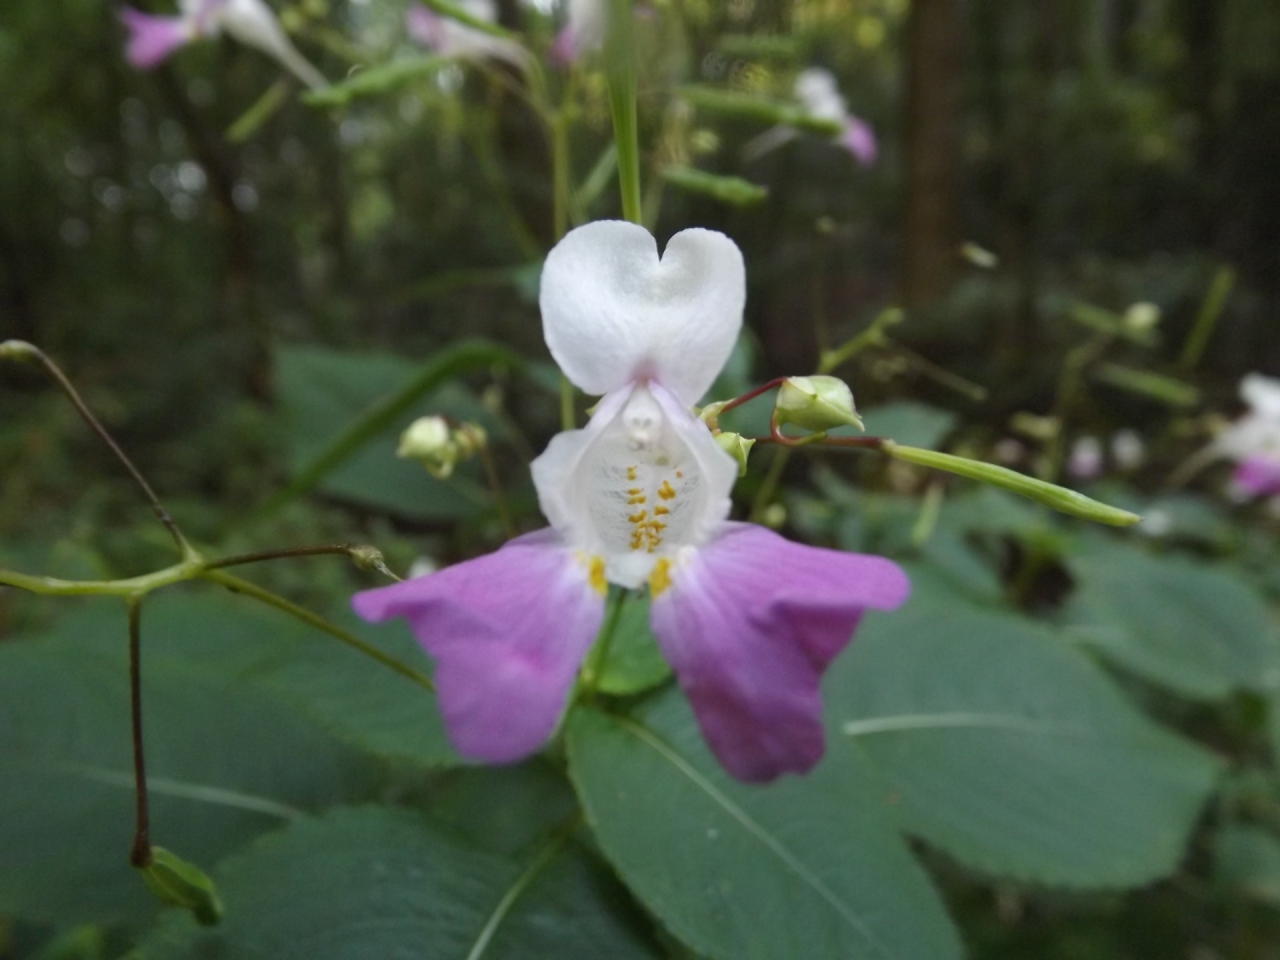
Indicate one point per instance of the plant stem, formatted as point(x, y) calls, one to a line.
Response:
point(21, 350)
point(495, 486)
point(140, 854)
point(621, 73)
point(1215, 300)
point(595, 664)
point(873, 336)
point(764, 494)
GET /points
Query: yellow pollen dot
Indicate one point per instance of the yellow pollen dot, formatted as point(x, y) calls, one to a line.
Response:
point(635, 500)
point(679, 475)
point(596, 576)
point(666, 491)
point(631, 473)
point(634, 492)
point(659, 510)
point(660, 578)
point(637, 517)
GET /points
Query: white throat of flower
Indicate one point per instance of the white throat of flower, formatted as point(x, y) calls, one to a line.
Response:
point(640, 486)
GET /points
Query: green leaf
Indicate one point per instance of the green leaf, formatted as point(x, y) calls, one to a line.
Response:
point(635, 663)
point(1199, 630)
point(226, 761)
point(1248, 860)
point(355, 698)
point(808, 867)
point(377, 883)
point(1010, 750)
point(346, 411)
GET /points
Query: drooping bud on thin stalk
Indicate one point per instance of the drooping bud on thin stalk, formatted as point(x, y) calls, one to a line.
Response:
point(182, 884)
point(21, 350)
point(620, 57)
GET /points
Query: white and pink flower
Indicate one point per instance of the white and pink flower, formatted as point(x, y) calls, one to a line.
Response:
point(447, 37)
point(1253, 441)
point(153, 39)
point(640, 496)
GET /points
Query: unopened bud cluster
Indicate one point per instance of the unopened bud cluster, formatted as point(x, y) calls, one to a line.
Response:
point(439, 446)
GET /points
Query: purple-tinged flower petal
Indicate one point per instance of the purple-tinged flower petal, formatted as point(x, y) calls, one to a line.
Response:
point(507, 631)
point(749, 623)
point(152, 39)
point(564, 49)
point(1257, 476)
point(425, 26)
point(860, 140)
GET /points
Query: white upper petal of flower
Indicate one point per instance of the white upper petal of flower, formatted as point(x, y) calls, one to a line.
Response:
point(614, 313)
point(449, 38)
point(818, 93)
point(586, 20)
point(253, 23)
point(1253, 435)
point(1262, 394)
point(644, 481)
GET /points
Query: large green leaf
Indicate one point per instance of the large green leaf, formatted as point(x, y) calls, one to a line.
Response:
point(322, 391)
point(240, 642)
point(226, 761)
point(378, 883)
point(1197, 629)
point(809, 867)
point(1012, 751)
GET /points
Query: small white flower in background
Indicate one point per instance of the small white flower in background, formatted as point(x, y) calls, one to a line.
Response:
point(1127, 450)
point(1253, 441)
point(818, 93)
point(583, 31)
point(1085, 461)
point(152, 39)
point(449, 38)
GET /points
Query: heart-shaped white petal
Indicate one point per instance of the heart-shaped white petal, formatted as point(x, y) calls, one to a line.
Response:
point(613, 312)
point(1262, 394)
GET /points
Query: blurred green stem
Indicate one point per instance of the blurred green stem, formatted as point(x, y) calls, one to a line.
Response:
point(621, 71)
point(595, 664)
point(1215, 301)
point(1073, 367)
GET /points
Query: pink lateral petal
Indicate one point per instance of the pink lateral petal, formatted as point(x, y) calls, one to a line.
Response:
point(750, 624)
point(860, 140)
point(1257, 476)
point(152, 39)
point(508, 631)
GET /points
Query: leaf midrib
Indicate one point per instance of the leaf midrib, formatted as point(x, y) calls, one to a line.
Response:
point(770, 843)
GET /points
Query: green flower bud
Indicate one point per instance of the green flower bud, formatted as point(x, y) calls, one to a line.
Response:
point(430, 441)
point(1141, 317)
point(181, 884)
point(816, 403)
point(470, 438)
point(738, 447)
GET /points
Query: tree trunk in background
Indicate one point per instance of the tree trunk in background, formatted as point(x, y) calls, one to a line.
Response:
point(935, 89)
